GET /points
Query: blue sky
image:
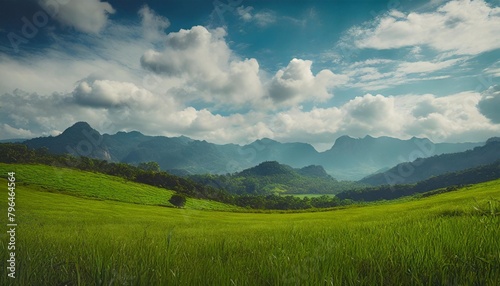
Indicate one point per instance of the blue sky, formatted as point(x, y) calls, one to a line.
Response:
point(239, 70)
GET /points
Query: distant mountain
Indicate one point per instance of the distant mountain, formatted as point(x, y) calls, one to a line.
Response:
point(293, 154)
point(349, 158)
point(422, 169)
point(80, 139)
point(435, 185)
point(352, 158)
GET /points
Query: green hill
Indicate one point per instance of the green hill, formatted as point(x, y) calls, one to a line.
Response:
point(271, 177)
point(270, 168)
point(99, 186)
point(445, 239)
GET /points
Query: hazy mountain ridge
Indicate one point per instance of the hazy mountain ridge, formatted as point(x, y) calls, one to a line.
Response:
point(349, 158)
point(422, 169)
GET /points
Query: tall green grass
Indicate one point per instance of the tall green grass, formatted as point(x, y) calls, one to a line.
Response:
point(447, 239)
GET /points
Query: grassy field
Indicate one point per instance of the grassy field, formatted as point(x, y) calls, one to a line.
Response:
point(100, 187)
point(62, 239)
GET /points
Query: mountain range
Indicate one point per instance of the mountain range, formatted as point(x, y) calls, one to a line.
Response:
point(348, 159)
point(424, 168)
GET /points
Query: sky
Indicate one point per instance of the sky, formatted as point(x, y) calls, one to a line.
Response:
point(234, 71)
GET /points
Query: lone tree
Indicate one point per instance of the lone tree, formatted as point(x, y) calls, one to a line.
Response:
point(178, 200)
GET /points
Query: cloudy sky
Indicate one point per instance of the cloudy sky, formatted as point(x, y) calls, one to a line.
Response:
point(239, 70)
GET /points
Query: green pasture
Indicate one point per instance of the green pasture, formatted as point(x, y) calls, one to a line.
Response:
point(79, 228)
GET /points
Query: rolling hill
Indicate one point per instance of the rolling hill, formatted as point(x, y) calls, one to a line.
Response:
point(271, 177)
point(97, 186)
point(63, 239)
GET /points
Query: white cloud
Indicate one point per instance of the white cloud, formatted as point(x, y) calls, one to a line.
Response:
point(105, 85)
point(88, 16)
point(373, 115)
point(424, 66)
point(17, 133)
point(296, 83)
point(493, 70)
point(461, 27)
point(245, 13)
point(153, 25)
point(262, 19)
point(489, 105)
point(209, 69)
point(452, 118)
point(53, 72)
point(113, 94)
point(196, 51)
point(376, 74)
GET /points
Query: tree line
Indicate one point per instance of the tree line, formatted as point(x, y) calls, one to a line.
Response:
point(149, 173)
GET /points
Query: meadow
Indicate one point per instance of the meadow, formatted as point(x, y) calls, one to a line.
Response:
point(81, 228)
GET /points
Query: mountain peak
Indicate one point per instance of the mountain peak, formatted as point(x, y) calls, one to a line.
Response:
point(77, 129)
point(268, 168)
point(80, 125)
point(492, 139)
point(265, 141)
point(130, 134)
point(314, 171)
point(343, 140)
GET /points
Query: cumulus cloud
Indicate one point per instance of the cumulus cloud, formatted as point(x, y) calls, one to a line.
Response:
point(88, 16)
point(296, 83)
point(211, 72)
point(112, 94)
point(489, 105)
point(461, 27)
point(209, 69)
point(373, 114)
point(196, 51)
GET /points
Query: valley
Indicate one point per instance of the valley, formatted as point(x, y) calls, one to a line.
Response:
point(68, 234)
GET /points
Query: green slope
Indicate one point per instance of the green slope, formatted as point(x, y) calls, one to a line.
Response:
point(446, 239)
point(99, 186)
